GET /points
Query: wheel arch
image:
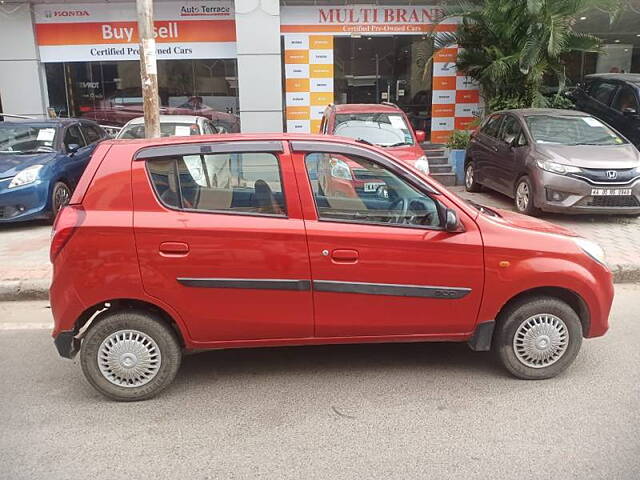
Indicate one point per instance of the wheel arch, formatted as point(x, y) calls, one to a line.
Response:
point(96, 312)
point(571, 298)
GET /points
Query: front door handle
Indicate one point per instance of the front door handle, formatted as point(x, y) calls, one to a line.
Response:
point(344, 255)
point(174, 249)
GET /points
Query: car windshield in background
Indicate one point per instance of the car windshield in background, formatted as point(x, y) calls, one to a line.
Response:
point(26, 139)
point(166, 130)
point(384, 129)
point(571, 130)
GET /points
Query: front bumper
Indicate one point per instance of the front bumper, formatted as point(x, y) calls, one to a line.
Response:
point(575, 195)
point(29, 202)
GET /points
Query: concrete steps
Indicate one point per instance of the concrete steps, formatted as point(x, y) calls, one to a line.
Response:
point(439, 165)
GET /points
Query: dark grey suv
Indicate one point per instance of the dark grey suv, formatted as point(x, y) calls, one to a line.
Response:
point(555, 161)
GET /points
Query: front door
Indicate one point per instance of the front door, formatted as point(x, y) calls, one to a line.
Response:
point(381, 261)
point(220, 238)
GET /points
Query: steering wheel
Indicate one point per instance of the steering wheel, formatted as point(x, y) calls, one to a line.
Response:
point(403, 217)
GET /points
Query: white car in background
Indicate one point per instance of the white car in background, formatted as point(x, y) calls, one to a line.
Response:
point(170, 126)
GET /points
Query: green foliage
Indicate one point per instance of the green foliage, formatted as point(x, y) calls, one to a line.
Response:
point(511, 46)
point(459, 140)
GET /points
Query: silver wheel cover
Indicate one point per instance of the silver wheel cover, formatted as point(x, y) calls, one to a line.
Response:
point(129, 358)
point(468, 177)
point(522, 196)
point(541, 340)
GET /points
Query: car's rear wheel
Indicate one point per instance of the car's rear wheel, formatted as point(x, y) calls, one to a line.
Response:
point(470, 183)
point(130, 355)
point(538, 338)
point(60, 196)
point(523, 197)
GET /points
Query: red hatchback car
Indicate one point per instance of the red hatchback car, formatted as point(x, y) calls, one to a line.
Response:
point(185, 244)
point(384, 125)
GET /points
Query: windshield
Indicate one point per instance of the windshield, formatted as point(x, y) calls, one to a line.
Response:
point(384, 129)
point(568, 130)
point(166, 130)
point(26, 139)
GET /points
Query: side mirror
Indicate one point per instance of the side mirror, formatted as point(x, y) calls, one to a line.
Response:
point(452, 222)
point(510, 140)
point(73, 148)
point(421, 136)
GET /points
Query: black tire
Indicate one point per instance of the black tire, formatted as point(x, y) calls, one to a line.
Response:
point(470, 182)
point(148, 325)
point(516, 316)
point(60, 196)
point(525, 207)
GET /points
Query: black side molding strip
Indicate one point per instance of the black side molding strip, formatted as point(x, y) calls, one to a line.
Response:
point(245, 283)
point(451, 293)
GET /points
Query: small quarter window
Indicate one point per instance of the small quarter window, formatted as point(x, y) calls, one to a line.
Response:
point(230, 182)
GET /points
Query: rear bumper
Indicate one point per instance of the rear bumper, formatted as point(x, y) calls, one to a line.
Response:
point(576, 196)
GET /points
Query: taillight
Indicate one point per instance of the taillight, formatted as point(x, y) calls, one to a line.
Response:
point(67, 221)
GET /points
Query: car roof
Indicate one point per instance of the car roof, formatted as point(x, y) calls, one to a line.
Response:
point(624, 77)
point(170, 119)
point(366, 108)
point(528, 112)
point(44, 122)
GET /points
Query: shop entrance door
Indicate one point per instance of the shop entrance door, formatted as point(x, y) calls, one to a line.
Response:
point(386, 69)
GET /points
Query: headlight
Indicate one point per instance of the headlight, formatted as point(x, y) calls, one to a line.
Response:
point(340, 169)
point(26, 176)
point(592, 249)
point(422, 164)
point(554, 167)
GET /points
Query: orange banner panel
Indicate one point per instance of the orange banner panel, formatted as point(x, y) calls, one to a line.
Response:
point(321, 71)
point(94, 33)
point(298, 113)
point(440, 136)
point(468, 96)
point(464, 123)
point(297, 85)
point(315, 126)
point(296, 56)
point(444, 83)
point(321, 98)
point(321, 42)
point(443, 110)
point(446, 55)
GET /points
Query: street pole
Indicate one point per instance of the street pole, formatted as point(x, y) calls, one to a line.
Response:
point(148, 69)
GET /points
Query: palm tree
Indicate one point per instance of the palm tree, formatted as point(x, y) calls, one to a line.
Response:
point(511, 46)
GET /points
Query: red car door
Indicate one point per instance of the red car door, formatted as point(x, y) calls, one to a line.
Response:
point(381, 263)
point(220, 238)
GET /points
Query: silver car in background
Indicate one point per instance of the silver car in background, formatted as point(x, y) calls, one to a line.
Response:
point(170, 126)
point(555, 161)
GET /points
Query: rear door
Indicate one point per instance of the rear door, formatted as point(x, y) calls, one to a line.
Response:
point(220, 238)
point(382, 265)
point(624, 104)
point(602, 95)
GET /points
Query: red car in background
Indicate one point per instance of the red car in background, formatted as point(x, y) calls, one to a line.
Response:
point(384, 125)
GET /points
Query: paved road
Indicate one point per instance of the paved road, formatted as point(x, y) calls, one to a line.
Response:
point(435, 411)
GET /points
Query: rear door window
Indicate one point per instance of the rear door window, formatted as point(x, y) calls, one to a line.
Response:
point(242, 183)
point(92, 134)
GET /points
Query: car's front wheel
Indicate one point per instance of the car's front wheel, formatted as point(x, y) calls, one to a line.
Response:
point(130, 355)
point(538, 338)
point(470, 182)
point(523, 197)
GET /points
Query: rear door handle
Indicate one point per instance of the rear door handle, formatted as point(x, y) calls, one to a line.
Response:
point(344, 255)
point(174, 248)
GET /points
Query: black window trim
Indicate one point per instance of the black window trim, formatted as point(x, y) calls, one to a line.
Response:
point(210, 148)
point(439, 206)
point(181, 208)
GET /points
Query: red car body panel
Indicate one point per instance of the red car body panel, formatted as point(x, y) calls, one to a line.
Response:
point(116, 253)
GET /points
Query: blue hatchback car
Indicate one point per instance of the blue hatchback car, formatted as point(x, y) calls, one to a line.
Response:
point(41, 162)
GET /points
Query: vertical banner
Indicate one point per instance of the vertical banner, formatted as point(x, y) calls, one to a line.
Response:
point(308, 62)
point(456, 97)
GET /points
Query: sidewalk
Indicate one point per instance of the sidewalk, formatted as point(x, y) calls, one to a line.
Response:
point(25, 270)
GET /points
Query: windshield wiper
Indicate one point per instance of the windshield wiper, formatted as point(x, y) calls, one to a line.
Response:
point(399, 144)
point(366, 142)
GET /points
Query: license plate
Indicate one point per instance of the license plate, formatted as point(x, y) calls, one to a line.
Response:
point(372, 187)
point(605, 192)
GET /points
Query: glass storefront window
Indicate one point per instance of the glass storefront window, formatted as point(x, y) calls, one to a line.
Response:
point(110, 92)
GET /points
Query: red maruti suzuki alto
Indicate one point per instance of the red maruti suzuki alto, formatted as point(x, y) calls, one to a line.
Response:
point(183, 244)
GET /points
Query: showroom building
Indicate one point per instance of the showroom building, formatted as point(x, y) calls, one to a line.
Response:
point(274, 64)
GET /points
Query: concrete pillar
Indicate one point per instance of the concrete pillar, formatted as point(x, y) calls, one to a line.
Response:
point(259, 65)
point(22, 81)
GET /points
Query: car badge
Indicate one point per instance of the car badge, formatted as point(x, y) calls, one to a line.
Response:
point(612, 174)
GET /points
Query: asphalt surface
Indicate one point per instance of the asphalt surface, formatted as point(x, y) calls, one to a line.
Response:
point(433, 411)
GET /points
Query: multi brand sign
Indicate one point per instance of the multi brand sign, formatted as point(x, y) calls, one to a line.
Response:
point(86, 32)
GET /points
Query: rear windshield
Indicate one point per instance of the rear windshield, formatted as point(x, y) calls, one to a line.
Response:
point(166, 130)
point(571, 130)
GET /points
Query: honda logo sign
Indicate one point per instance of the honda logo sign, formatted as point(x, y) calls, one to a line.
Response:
point(612, 174)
